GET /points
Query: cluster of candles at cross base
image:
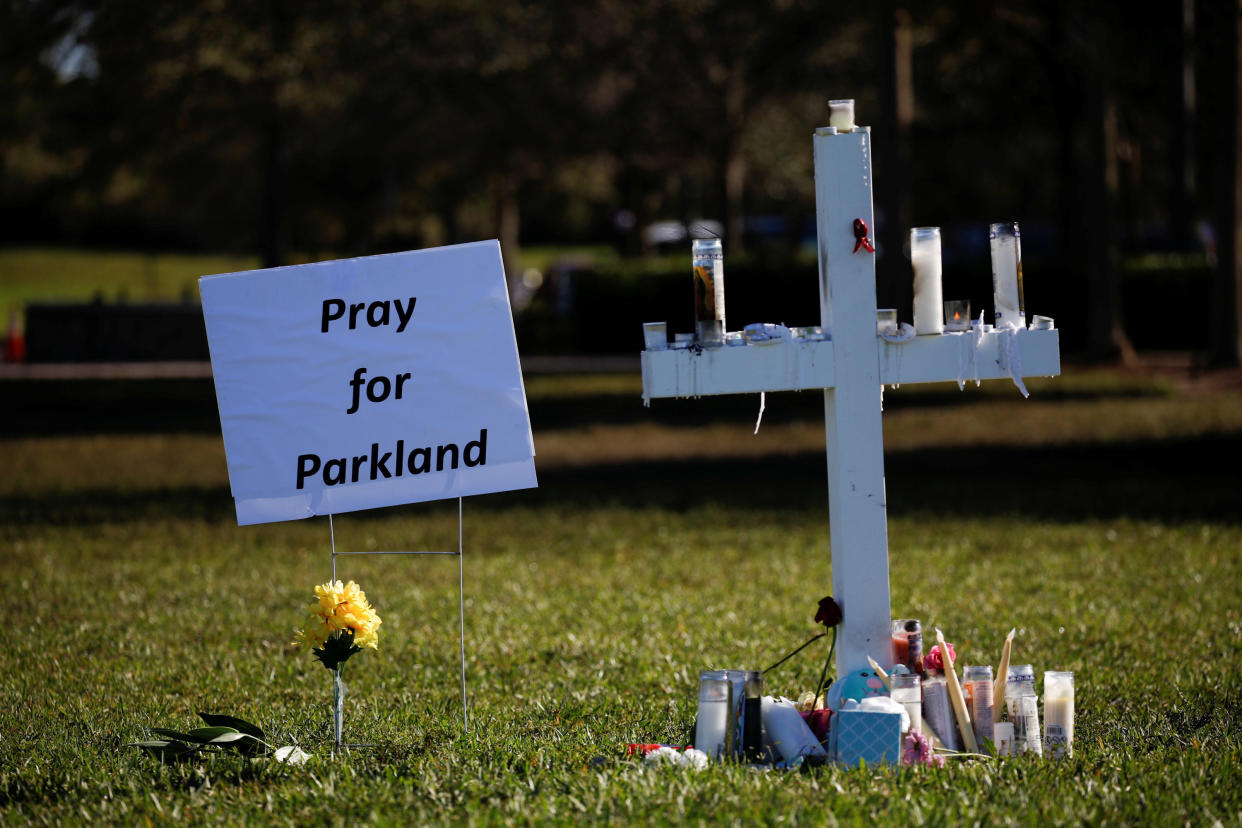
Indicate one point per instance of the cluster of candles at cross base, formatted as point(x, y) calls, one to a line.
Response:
point(997, 713)
point(978, 713)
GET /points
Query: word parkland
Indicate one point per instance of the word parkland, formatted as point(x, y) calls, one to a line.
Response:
point(374, 466)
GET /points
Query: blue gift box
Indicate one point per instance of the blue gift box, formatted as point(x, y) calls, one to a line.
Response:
point(866, 736)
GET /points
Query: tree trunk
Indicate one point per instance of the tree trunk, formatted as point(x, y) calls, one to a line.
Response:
point(508, 227)
point(1184, 207)
point(1226, 346)
point(1106, 339)
point(894, 208)
point(272, 241)
point(735, 159)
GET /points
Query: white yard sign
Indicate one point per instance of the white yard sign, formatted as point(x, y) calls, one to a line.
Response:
point(852, 368)
point(369, 382)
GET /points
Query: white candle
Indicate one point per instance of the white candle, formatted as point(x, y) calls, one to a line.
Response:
point(713, 722)
point(1004, 738)
point(928, 293)
point(1006, 243)
point(1058, 714)
point(841, 114)
point(906, 690)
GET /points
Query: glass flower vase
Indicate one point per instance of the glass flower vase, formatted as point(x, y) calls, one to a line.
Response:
point(338, 705)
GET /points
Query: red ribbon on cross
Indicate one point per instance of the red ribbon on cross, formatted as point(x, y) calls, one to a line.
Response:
point(860, 233)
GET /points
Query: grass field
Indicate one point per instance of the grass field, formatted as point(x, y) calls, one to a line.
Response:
point(45, 274)
point(1100, 518)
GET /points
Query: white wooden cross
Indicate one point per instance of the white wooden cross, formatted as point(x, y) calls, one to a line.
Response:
point(851, 367)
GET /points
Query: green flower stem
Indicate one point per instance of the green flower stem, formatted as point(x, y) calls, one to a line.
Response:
point(831, 649)
point(790, 655)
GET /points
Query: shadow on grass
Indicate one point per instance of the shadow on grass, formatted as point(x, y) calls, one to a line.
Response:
point(188, 406)
point(1169, 480)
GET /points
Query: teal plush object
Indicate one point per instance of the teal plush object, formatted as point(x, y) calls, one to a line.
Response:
point(858, 685)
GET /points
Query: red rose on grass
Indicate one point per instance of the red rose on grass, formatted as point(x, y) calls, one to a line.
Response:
point(818, 721)
point(829, 613)
point(934, 660)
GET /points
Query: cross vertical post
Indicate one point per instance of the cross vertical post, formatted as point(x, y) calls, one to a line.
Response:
point(852, 363)
point(857, 510)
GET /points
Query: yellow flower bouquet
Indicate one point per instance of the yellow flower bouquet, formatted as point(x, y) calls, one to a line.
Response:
point(340, 623)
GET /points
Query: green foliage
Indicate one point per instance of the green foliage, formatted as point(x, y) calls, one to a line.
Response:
point(1102, 524)
point(223, 733)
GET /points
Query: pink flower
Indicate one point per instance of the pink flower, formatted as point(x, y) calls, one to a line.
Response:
point(933, 659)
point(917, 750)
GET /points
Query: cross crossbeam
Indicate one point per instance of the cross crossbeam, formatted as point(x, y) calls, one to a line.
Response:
point(803, 364)
point(851, 367)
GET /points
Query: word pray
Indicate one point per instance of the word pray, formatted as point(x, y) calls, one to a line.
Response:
point(373, 466)
point(377, 313)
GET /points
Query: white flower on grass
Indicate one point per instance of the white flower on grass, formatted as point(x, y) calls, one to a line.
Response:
point(696, 759)
point(664, 756)
point(292, 755)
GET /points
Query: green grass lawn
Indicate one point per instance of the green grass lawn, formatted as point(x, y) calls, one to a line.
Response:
point(1100, 518)
point(69, 275)
point(43, 274)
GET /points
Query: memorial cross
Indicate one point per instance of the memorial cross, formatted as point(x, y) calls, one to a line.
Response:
point(851, 364)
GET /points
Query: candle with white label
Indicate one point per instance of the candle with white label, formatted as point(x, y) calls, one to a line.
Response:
point(928, 293)
point(977, 681)
point(1058, 714)
point(1004, 738)
point(956, 696)
point(711, 730)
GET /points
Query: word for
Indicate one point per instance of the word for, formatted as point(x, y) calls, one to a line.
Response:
point(373, 466)
point(377, 312)
point(378, 388)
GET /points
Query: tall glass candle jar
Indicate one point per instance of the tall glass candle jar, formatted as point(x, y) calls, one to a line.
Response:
point(712, 727)
point(1058, 714)
point(1006, 243)
point(938, 712)
point(977, 684)
point(737, 711)
point(928, 292)
point(1023, 705)
point(752, 718)
point(908, 643)
point(709, 304)
point(907, 692)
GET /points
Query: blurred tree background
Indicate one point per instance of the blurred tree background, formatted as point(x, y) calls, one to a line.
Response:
point(303, 130)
